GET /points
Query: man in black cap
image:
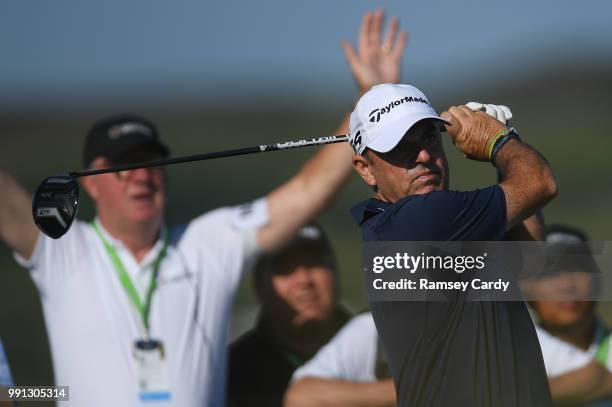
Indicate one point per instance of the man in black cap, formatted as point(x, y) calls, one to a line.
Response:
point(300, 312)
point(142, 308)
point(121, 138)
point(129, 199)
point(137, 313)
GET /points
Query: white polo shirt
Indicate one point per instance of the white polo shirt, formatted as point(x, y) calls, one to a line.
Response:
point(350, 355)
point(92, 324)
point(561, 357)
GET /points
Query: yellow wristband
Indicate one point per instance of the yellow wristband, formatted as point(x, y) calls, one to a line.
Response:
point(491, 142)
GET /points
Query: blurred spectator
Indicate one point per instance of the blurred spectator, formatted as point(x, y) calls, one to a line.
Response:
point(6, 380)
point(144, 309)
point(574, 339)
point(350, 371)
point(298, 292)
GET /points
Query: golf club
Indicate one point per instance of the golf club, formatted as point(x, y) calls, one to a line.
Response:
point(56, 200)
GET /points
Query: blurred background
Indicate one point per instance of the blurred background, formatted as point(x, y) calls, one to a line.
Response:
point(220, 75)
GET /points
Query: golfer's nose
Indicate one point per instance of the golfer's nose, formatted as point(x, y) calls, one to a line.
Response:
point(423, 156)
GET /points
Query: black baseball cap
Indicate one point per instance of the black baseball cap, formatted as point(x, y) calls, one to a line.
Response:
point(309, 237)
point(123, 138)
point(567, 248)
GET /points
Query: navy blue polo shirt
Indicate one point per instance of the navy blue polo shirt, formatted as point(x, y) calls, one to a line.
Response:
point(456, 352)
point(440, 215)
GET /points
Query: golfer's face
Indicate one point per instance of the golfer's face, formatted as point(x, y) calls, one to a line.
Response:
point(130, 196)
point(417, 165)
point(303, 287)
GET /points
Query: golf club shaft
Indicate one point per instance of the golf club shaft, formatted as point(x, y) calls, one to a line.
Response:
point(218, 154)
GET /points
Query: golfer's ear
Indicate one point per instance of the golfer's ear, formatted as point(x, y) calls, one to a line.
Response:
point(363, 166)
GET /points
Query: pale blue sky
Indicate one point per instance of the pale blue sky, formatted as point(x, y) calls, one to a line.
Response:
point(75, 51)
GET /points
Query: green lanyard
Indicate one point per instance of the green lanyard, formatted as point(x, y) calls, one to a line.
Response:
point(602, 350)
point(126, 282)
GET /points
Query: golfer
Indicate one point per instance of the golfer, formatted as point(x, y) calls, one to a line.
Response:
point(449, 353)
point(138, 313)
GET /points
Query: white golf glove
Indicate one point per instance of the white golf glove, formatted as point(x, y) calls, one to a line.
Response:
point(499, 112)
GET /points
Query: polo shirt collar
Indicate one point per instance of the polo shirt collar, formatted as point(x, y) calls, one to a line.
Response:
point(149, 258)
point(367, 209)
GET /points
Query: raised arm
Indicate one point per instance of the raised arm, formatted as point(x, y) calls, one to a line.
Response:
point(17, 229)
point(527, 181)
point(342, 373)
point(531, 228)
point(312, 391)
point(525, 176)
point(317, 184)
point(583, 386)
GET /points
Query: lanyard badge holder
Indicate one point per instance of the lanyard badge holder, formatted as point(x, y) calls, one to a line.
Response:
point(149, 355)
point(150, 360)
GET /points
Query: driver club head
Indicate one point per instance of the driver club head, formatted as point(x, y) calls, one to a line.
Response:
point(55, 204)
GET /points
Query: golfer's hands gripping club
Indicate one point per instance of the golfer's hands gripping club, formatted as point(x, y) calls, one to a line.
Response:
point(472, 131)
point(377, 60)
point(499, 112)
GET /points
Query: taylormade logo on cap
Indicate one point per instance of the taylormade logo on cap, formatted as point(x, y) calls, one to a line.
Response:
point(376, 113)
point(384, 114)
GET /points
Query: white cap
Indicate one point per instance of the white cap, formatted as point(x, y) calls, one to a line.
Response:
point(384, 114)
